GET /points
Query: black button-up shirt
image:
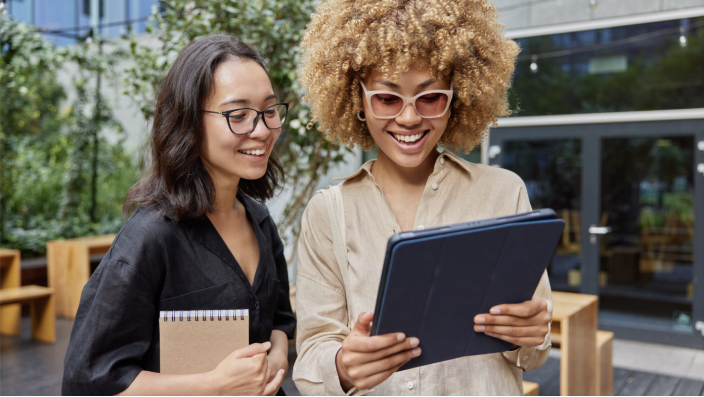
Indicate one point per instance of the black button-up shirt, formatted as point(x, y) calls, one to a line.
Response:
point(155, 264)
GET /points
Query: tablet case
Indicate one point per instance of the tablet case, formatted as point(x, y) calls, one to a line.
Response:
point(434, 286)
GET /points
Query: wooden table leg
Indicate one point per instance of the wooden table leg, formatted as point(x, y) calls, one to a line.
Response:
point(10, 278)
point(58, 256)
point(43, 319)
point(578, 360)
point(79, 272)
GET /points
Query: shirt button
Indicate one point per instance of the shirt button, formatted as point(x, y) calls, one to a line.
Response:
point(421, 227)
point(253, 303)
point(435, 186)
point(410, 385)
point(442, 160)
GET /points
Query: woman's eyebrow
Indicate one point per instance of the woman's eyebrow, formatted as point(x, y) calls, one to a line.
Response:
point(245, 101)
point(394, 85)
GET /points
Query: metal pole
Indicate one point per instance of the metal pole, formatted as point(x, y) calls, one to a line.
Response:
point(95, 28)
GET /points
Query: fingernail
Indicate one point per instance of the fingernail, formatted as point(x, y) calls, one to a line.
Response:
point(480, 320)
point(281, 372)
point(480, 328)
point(400, 337)
point(495, 310)
point(414, 341)
point(267, 345)
point(416, 351)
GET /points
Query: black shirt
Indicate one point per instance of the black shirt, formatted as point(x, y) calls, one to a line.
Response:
point(155, 264)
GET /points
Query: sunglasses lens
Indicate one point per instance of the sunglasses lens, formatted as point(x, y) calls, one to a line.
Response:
point(389, 105)
point(432, 104)
point(386, 105)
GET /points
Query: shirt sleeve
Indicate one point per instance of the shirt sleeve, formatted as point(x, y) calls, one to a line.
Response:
point(320, 305)
point(113, 330)
point(284, 320)
point(528, 358)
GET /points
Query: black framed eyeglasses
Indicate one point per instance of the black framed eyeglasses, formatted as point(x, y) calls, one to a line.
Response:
point(243, 121)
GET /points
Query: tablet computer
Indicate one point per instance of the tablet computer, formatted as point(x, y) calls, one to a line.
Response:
point(435, 281)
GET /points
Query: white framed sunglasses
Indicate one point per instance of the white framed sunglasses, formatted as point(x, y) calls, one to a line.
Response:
point(389, 104)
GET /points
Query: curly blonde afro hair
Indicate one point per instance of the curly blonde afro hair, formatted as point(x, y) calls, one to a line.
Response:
point(456, 39)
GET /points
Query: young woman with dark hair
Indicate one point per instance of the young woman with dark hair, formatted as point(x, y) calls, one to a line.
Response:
point(200, 239)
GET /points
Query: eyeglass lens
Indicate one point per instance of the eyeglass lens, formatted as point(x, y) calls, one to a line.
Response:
point(242, 120)
point(387, 105)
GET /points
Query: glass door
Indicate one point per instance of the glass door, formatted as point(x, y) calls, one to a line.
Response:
point(632, 196)
point(552, 171)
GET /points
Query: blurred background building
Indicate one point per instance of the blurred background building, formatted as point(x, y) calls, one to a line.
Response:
point(609, 133)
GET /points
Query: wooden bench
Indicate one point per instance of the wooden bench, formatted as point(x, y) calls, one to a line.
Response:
point(574, 329)
point(572, 311)
point(604, 363)
point(10, 278)
point(530, 389)
point(68, 269)
point(41, 301)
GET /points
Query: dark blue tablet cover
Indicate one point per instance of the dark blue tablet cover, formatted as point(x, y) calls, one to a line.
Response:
point(434, 286)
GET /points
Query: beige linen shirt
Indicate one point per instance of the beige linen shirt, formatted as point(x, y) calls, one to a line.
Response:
point(330, 298)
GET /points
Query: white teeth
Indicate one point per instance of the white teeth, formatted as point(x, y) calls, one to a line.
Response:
point(256, 152)
point(408, 138)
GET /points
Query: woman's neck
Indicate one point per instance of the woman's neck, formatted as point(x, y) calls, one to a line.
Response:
point(226, 202)
point(389, 174)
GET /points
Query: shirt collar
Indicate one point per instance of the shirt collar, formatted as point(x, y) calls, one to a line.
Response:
point(367, 167)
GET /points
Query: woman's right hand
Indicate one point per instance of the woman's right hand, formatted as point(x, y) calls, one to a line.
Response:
point(365, 361)
point(245, 372)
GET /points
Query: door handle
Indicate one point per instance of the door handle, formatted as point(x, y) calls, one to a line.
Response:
point(599, 230)
point(595, 230)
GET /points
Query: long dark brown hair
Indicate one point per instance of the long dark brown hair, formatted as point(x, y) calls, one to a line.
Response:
point(178, 182)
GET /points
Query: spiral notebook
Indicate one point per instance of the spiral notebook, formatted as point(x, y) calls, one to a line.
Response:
point(196, 341)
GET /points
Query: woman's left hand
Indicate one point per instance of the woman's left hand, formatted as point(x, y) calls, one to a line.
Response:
point(523, 324)
point(277, 360)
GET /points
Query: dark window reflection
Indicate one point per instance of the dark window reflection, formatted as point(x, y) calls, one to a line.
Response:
point(649, 205)
point(552, 172)
point(651, 66)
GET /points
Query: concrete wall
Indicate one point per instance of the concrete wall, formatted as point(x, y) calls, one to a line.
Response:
point(521, 14)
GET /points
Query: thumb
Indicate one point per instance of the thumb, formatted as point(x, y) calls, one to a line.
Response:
point(252, 350)
point(363, 323)
point(272, 387)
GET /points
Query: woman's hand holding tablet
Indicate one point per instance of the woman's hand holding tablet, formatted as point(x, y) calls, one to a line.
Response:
point(365, 361)
point(523, 324)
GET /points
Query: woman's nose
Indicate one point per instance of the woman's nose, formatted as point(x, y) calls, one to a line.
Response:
point(408, 116)
point(261, 131)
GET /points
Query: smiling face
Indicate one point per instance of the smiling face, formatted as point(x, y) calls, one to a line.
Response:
point(408, 139)
point(237, 84)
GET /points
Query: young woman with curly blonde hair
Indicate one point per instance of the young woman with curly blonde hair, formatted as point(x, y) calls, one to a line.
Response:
point(407, 76)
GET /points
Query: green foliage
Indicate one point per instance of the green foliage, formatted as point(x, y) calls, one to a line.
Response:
point(274, 28)
point(47, 151)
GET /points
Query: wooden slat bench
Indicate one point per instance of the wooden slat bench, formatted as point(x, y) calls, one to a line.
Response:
point(530, 389)
point(574, 328)
point(68, 268)
point(585, 354)
point(10, 278)
point(41, 301)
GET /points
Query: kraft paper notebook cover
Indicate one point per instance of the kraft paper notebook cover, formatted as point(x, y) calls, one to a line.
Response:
point(433, 286)
point(196, 341)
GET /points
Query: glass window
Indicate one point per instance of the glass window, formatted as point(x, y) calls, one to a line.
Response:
point(21, 10)
point(652, 66)
point(116, 11)
point(56, 15)
point(138, 10)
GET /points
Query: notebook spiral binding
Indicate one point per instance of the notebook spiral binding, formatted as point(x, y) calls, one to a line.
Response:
point(203, 315)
